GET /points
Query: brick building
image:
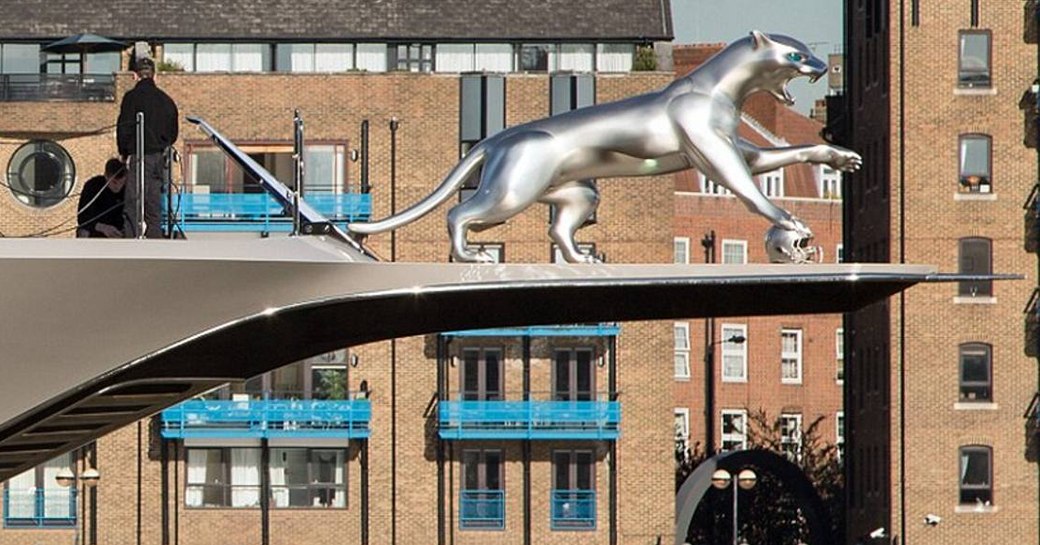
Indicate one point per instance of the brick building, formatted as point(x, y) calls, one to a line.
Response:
point(790, 367)
point(939, 378)
point(415, 464)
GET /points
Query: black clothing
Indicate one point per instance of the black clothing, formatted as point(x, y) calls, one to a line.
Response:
point(154, 178)
point(160, 119)
point(106, 208)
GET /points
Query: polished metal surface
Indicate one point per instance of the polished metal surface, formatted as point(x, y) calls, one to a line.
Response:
point(691, 123)
point(100, 333)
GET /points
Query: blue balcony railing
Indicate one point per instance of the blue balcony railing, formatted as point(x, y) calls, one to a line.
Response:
point(268, 418)
point(259, 212)
point(482, 509)
point(570, 330)
point(529, 420)
point(39, 508)
point(573, 510)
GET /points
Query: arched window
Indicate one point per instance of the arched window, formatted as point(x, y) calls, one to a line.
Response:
point(976, 373)
point(975, 257)
point(976, 153)
point(976, 475)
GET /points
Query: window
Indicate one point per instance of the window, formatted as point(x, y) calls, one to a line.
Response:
point(734, 429)
point(34, 499)
point(474, 57)
point(482, 111)
point(681, 250)
point(975, 258)
point(371, 57)
point(830, 183)
point(19, 58)
point(974, 59)
point(496, 250)
point(772, 183)
point(976, 475)
point(682, 424)
point(791, 436)
point(839, 253)
point(537, 57)
point(314, 57)
point(571, 91)
point(976, 151)
point(223, 477)
point(711, 188)
point(216, 57)
point(40, 173)
point(734, 252)
point(482, 498)
point(210, 171)
point(574, 491)
point(791, 356)
point(327, 381)
point(412, 57)
point(839, 440)
point(574, 377)
point(303, 477)
point(614, 57)
point(481, 374)
point(556, 57)
point(682, 349)
point(976, 365)
point(734, 355)
point(839, 355)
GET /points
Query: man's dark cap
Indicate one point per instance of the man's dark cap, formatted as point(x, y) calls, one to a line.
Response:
point(144, 63)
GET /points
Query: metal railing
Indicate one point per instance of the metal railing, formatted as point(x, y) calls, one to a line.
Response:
point(67, 87)
point(567, 330)
point(270, 418)
point(259, 211)
point(483, 509)
point(529, 419)
point(573, 510)
point(39, 507)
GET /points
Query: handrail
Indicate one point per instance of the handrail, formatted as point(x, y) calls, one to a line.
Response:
point(573, 509)
point(268, 418)
point(70, 87)
point(589, 420)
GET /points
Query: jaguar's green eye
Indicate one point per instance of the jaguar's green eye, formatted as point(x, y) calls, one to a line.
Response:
point(796, 57)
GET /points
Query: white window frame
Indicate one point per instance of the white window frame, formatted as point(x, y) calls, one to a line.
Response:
point(682, 424)
point(839, 253)
point(795, 355)
point(733, 437)
point(709, 187)
point(736, 350)
point(681, 250)
point(839, 434)
point(772, 183)
point(731, 243)
point(682, 371)
point(829, 182)
point(791, 441)
point(839, 355)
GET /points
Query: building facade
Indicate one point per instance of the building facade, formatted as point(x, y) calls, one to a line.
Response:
point(784, 367)
point(527, 435)
point(938, 378)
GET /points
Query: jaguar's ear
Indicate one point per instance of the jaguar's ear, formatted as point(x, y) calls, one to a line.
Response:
point(760, 39)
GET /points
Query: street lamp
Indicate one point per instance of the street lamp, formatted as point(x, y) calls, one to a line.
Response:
point(89, 478)
point(746, 479)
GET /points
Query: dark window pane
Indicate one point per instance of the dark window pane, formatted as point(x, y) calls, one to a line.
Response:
point(471, 469)
point(562, 378)
point(583, 466)
point(471, 374)
point(561, 467)
point(493, 469)
point(584, 372)
point(975, 258)
point(493, 375)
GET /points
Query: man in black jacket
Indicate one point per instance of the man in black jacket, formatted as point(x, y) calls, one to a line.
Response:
point(100, 211)
point(160, 132)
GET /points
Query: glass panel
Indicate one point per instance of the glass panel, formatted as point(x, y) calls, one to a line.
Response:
point(562, 375)
point(286, 383)
point(583, 480)
point(371, 57)
point(492, 375)
point(562, 467)
point(493, 468)
point(584, 375)
point(321, 172)
point(471, 470)
point(208, 172)
point(245, 477)
point(21, 490)
point(57, 500)
point(182, 55)
point(471, 375)
point(455, 58)
point(975, 470)
point(535, 57)
point(294, 58)
point(974, 58)
point(493, 57)
point(614, 57)
point(250, 57)
point(20, 59)
point(213, 58)
point(333, 57)
point(329, 381)
point(102, 63)
point(576, 57)
point(975, 156)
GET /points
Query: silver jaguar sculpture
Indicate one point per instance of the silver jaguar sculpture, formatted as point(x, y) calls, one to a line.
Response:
point(691, 123)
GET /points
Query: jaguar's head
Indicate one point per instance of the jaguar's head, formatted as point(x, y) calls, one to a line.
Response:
point(778, 59)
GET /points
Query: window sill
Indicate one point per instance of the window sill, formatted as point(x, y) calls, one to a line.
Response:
point(974, 196)
point(975, 91)
point(682, 379)
point(976, 509)
point(734, 380)
point(978, 300)
point(791, 382)
point(975, 406)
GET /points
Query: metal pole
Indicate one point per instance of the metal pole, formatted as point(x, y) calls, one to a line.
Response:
point(140, 175)
point(365, 185)
point(298, 171)
point(736, 527)
point(394, 124)
point(708, 242)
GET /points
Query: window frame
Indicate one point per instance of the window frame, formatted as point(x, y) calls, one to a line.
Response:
point(791, 445)
point(684, 244)
point(39, 491)
point(572, 465)
point(839, 354)
point(313, 486)
point(976, 494)
point(797, 355)
point(679, 351)
point(483, 393)
point(975, 349)
point(227, 487)
point(682, 433)
point(725, 437)
point(975, 182)
point(981, 288)
point(742, 244)
point(733, 349)
point(573, 393)
point(839, 434)
point(483, 486)
point(964, 75)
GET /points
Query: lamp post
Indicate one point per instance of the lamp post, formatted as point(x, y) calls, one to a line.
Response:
point(709, 382)
point(89, 478)
point(746, 479)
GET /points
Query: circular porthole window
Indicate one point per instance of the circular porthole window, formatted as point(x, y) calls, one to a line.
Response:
point(41, 173)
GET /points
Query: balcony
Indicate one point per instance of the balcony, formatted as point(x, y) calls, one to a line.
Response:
point(482, 509)
point(529, 420)
point(57, 87)
point(268, 419)
point(572, 330)
point(573, 510)
point(247, 212)
point(39, 508)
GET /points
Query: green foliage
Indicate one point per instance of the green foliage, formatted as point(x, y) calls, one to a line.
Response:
point(645, 59)
point(330, 385)
point(168, 66)
point(768, 514)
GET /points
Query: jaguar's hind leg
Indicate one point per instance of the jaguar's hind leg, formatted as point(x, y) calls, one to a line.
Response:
point(575, 203)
